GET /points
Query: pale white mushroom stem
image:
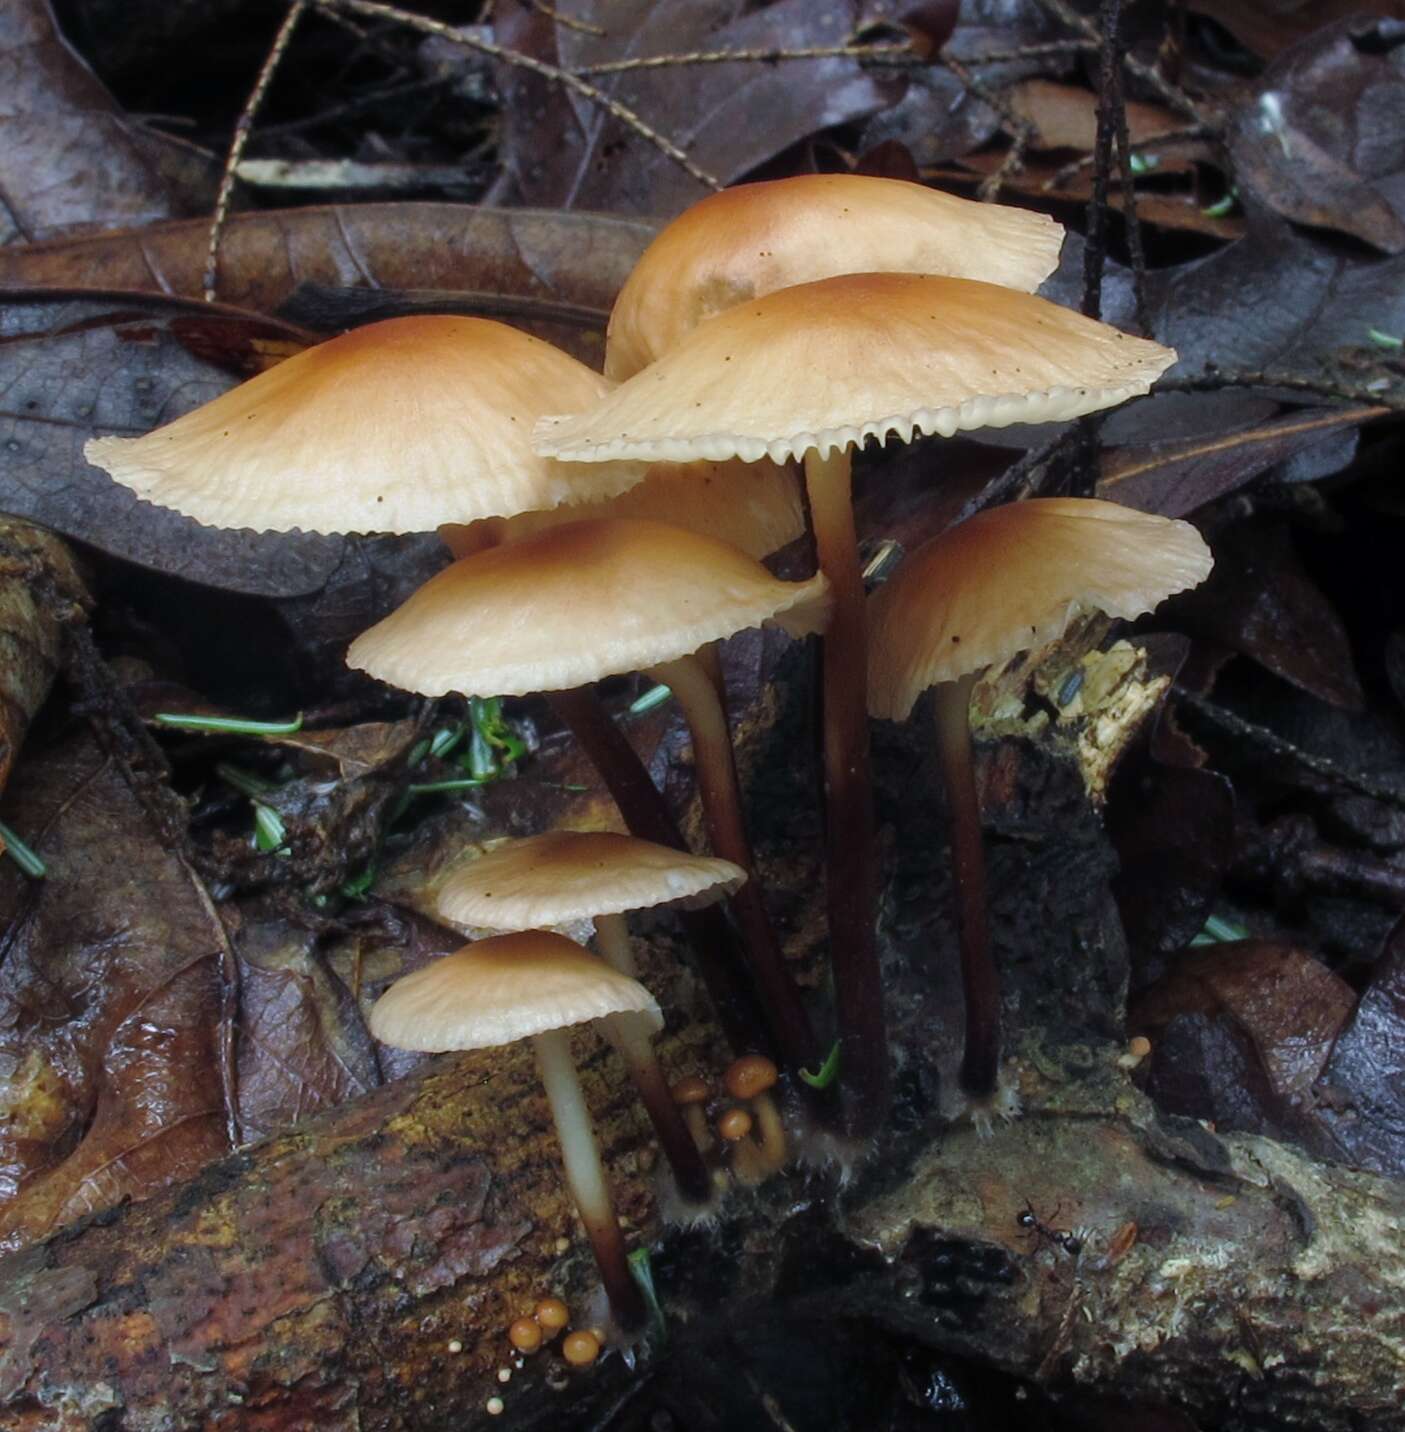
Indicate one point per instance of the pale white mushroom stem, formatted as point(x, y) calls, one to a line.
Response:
point(612, 940)
point(585, 1176)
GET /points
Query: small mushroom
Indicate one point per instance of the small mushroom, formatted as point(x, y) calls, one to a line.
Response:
point(565, 875)
point(533, 985)
point(1005, 581)
point(750, 1080)
point(690, 1094)
point(591, 599)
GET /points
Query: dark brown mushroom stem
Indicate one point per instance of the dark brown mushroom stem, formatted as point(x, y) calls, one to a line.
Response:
point(585, 1176)
point(693, 689)
point(980, 1064)
point(636, 1049)
point(647, 815)
point(850, 858)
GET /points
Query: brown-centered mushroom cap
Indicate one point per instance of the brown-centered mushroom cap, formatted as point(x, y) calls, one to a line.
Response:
point(1012, 578)
point(757, 238)
point(827, 364)
point(575, 604)
point(577, 875)
point(754, 507)
point(503, 989)
point(395, 427)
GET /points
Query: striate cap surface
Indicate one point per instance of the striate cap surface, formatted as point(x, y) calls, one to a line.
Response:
point(576, 875)
point(575, 604)
point(828, 364)
point(395, 427)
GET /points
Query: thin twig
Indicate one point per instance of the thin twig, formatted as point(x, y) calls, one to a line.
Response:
point(898, 56)
point(1085, 161)
point(1213, 379)
point(1020, 130)
point(583, 27)
point(553, 73)
point(1131, 221)
point(1172, 94)
point(1236, 725)
point(903, 55)
point(242, 130)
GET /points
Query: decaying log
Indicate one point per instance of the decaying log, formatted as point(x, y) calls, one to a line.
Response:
point(360, 1271)
point(320, 1279)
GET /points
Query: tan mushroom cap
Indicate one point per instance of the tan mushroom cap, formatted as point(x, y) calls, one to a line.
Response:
point(757, 238)
point(394, 427)
point(503, 989)
point(827, 364)
point(575, 604)
point(753, 506)
point(1012, 578)
point(576, 875)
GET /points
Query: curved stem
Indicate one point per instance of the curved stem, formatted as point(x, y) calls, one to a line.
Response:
point(850, 858)
point(980, 1064)
point(647, 815)
point(585, 1177)
point(632, 1041)
point(717, 783)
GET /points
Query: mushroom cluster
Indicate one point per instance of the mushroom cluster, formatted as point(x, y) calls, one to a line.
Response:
point(607, 524)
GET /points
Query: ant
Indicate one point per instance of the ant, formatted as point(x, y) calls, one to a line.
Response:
point(1043, 1232)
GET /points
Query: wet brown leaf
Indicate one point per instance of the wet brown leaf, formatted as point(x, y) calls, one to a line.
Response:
point(1066, 117)
point(519, 265)
point(72, 369)
point(1260, 602)
point(1175, 478)
point(1240, 1033)
point(1268, 26)
point(561, 150)
point(936, 117)
point(109, 1002)
point(69, 159)
point(1320, 138)
point(1362, 1089)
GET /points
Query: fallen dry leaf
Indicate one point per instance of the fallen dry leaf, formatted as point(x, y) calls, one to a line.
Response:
point(1268, 26)
point(1174, 478)
point(562, 150)
point(518, 265)
point(1362, 1089)
point(73, 369)
point(1320, 137)
point(69, 159)
point(1240, 1033)
point(1261, 602)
